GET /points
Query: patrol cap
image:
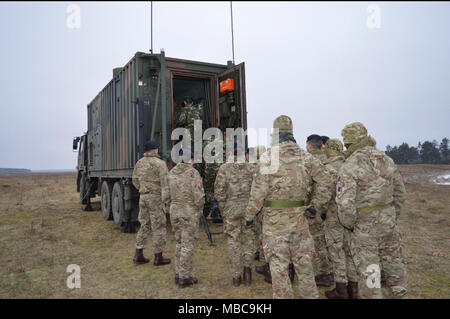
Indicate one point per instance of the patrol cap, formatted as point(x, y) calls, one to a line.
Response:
point(324, 139)
point(334, 145)
point(283, 123)
point(353, 133)
point(150, 145)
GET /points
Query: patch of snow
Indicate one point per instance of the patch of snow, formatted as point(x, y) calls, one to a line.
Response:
point(443, 180)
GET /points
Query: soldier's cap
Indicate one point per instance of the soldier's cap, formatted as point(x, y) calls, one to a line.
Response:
point(335, 145)
point(353, 133)
point(150, 145)
point(283, 123)
point(324, 139)
point(181, 152)
point(314, 137)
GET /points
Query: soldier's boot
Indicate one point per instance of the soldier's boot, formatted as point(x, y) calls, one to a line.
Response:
point(237, 281)
point(183, 283)
point(268, 277)
point(139, 258)
point(257, 255)
point(340, 292)
point(291, 272)
point(194, 280)
point(352, 289)
point(262, 270)
point(324, 280)
point(177, 279)
point(247, 276)
point(160, 260)
point(383, 278)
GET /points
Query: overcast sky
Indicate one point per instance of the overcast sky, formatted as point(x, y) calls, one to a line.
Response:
point(319, 63)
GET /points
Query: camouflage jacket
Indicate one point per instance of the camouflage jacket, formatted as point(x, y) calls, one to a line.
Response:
point(319, 154)
point(186, 186)
point(188, 115)
point(368, 178)
point(297, 172)
point(150, 177)
point(333, 164)
point(232, 185)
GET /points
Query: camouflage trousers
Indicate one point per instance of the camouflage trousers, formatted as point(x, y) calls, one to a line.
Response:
point(240, 241)
point(321, 258)
point(296, 248)
point(185, 226)
point(338, 247)
point(376, 244)
point(259, 236)
point(152, 219)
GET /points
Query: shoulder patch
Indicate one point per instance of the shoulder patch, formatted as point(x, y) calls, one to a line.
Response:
point(340, 187)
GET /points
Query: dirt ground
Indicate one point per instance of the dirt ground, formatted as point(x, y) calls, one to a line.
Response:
point(43, 229)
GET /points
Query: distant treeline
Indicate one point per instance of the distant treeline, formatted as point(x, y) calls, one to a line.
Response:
point(425, 153)
point(14, 171)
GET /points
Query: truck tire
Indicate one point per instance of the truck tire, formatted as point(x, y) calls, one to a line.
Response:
point(118, 209)
point(106, 200)
point(83, 189)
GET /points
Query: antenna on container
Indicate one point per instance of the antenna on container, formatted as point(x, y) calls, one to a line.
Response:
point(232, 33)
point(151, 26)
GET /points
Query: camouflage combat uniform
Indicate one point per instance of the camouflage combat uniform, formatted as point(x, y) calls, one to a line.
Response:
point(321, 258)
point(282, 196)
point(232, 191)
point(259, 217)
point(210, 172)
point(186, 119)
point(337, 237)
point(150, 178)
point(187, 200)
point(370, 194)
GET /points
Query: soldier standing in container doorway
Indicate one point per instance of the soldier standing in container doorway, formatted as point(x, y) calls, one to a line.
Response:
point(150, 178)
point(321, 259)
point(187, 200)
point(370, 195)
point(282, 196)
point(232, 191)
point(189, 113)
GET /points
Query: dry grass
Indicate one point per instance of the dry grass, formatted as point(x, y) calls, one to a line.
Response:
point(43, 229)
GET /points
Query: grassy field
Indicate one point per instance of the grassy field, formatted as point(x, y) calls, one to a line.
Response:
point(43, 229)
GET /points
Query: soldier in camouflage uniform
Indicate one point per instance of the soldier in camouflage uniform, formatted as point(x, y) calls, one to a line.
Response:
point(187, 200)
point(337, 237)
point(321, 258)
point(150, 178)
point(370, 194)
point(210, 171)
point(189, 113)
point(232, 191)
point(282, 196)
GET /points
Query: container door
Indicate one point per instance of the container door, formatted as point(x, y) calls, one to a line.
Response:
point(232, 105)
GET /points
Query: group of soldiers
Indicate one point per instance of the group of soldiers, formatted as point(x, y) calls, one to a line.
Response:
point(325, 206)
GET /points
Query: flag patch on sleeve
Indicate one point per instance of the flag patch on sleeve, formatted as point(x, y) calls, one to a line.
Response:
point(340, 187)
point(201, 185)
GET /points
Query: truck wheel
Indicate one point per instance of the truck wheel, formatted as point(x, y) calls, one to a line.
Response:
point(118, 208)
point(106, 200)
point(83, 198)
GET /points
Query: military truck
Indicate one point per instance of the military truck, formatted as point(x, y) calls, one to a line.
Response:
point(142, 102)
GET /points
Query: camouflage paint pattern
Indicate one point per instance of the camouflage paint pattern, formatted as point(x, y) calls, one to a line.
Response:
point(286, 237)
point(187, 200)
point(232, 191)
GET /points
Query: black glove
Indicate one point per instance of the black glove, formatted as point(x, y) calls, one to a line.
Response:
point(310, 212)
point(323, 215)
point(249, 224)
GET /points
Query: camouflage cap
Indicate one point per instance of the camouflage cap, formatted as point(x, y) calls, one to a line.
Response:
point(353, 133)
point(335, 145)
point(283, 123)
